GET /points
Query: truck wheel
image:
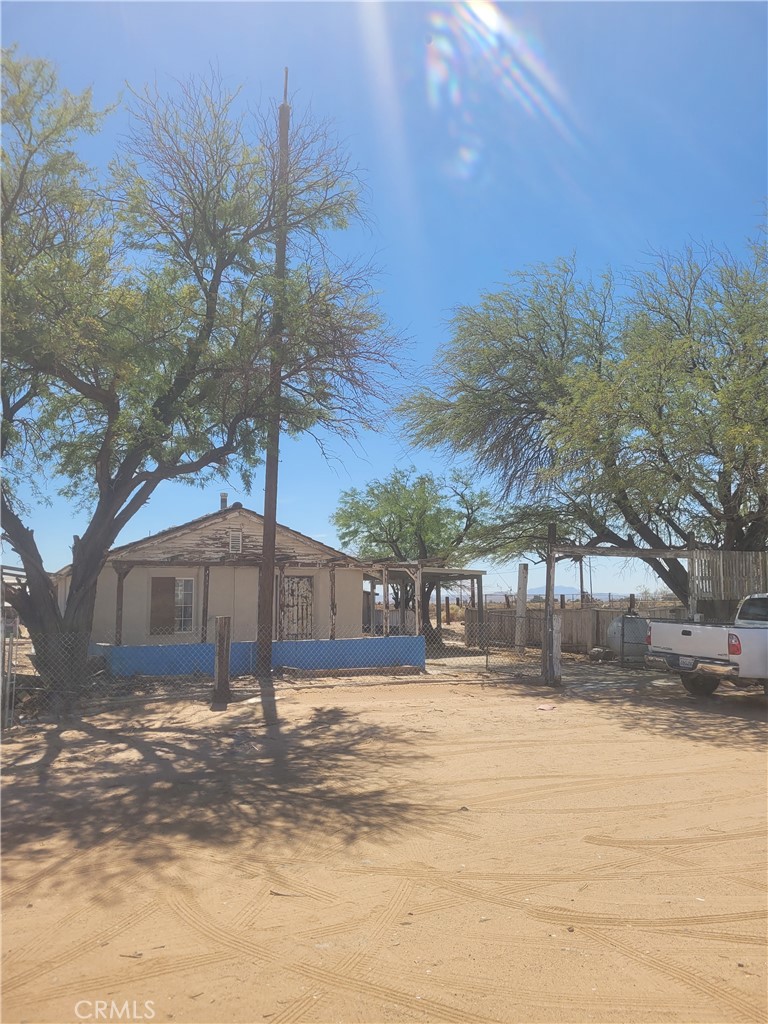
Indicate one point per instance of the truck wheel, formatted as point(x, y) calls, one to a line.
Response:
point(699, 684)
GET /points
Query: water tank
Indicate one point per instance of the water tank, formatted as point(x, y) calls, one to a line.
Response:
point(635, 632)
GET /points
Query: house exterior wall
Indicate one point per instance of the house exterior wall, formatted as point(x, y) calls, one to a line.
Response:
point(232, 590)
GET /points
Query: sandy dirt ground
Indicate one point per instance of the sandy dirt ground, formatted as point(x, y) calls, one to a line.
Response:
point(427, 850)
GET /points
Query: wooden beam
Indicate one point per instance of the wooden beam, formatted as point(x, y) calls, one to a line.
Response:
point(521, 609)
point(569, 551)
point(204, 611)
point(122, 572)
point(281, 602)
point(548, 639)
point(385, 585)
point(332, 582)
point(222, 692)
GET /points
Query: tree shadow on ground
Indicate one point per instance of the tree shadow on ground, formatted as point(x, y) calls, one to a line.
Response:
point(158, 784)
point(658, 704)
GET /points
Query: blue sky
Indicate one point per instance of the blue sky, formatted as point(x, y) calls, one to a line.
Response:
point(490, 136)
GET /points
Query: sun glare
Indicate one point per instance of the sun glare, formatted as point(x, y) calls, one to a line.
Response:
point(475, 47)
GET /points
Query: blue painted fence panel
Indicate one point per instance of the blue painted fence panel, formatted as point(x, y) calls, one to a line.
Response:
point(189, 659)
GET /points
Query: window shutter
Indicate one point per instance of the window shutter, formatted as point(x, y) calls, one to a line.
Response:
point(162, 613)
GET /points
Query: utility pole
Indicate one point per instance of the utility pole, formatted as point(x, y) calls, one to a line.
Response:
point(267, 569)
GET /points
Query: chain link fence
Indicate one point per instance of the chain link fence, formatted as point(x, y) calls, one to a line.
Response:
point(48, 676)
point(58, 674)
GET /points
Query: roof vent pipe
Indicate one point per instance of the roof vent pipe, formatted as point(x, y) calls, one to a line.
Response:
point(223, 496)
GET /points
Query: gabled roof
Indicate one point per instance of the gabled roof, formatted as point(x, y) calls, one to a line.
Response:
point(124, 552)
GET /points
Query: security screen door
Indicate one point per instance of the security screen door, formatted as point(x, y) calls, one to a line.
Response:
point(297, 597)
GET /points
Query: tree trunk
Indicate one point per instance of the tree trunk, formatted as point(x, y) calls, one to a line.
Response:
point(61, 653)
point(60, 638)
point(429, 631)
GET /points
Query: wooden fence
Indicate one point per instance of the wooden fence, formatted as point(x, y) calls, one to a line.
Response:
point(582, 628)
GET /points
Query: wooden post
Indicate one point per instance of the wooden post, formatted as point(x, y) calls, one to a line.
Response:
point(694, 568)
point(522, 607)
point(332, 577)
point(447, 611)
point(221, 691)
point(373, 607)
point(122, 572)
point(481, 631)
point(562, 600)
point(438, 607)
point(281, 602)
point(557, 624)
point(472, 593)
point(547, 645)
point(204, 610)
point(417, 599)
point(385, 588)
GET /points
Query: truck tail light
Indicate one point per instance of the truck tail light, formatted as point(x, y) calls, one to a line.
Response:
point(734, 644)
point(648, 636)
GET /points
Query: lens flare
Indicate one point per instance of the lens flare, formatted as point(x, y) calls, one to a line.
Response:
point(475, 46)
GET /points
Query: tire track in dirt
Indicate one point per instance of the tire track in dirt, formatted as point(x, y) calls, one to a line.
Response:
point(251, 909)
point(633, 808)
point(104, 896)
point(553, 789)
point(685, 868)
point(329, 977)
point(506, 883)
point(452, 831)
point(611, 871)
point(351, 923)
point(700, 933)
point(537, 997)
point(146, 971)
point(564, 915)
point(312, 892)
point(22, 888)
point(348, 964)
point(556, 915)
point(756, 832)
point(68, 956)
point(717, 992)
point(139, 972)
point(297, 1009)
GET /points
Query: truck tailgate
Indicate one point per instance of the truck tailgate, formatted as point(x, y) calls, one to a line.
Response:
point(703, 642)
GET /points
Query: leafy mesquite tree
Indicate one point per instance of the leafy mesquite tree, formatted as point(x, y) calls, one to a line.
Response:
point(138, 310)
point(410, 516)
point(631, 417)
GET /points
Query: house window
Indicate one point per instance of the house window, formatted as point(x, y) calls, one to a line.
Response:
point(235, 542)
point(171, 607)
point(184, 593)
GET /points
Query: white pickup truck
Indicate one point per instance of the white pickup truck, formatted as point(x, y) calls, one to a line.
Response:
point(705, 655)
